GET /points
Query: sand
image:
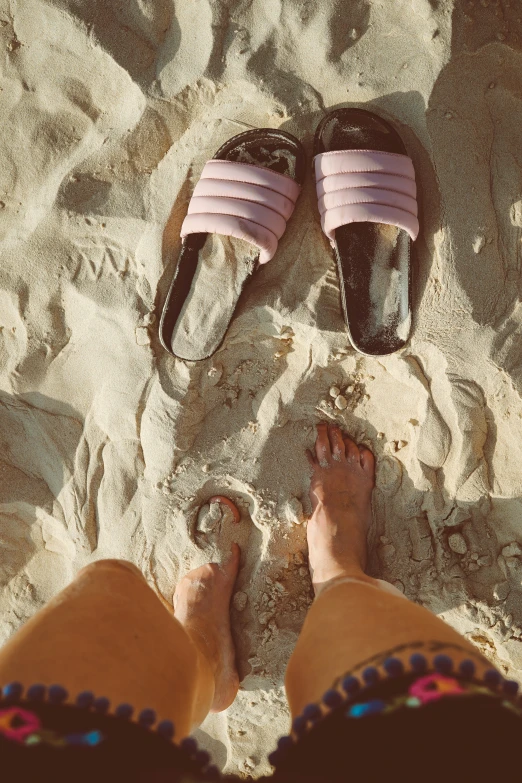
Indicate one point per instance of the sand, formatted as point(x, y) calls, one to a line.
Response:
point(110, 445)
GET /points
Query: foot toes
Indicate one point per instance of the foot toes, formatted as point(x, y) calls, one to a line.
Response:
point(351, 450)
point(231, 567)
point(336, 442)
point(367, 459)
point(322, 444)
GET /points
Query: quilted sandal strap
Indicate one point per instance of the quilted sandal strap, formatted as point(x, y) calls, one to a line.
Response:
point(243, 201)
point(355, 186)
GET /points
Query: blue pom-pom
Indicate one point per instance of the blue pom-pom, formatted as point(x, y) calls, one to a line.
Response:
point(492, 678)
point(85, 699)
point(189, 745)
point(312, 712)
point(418, 663)
point(283, 743)
point(13, 691)
point(202, 758)
point(443, 664)
point(350, 685)
point(374, 707)
point(393, 666)
point(101, 704)
point(93, 738)
point(124, 711)
point(36, 692)
point(299, 725)
point(166, 729)
point(510, 687)
point(147, 718)
point(57, 694)
point(467, 668)
point(371, 675)
point(332, 698)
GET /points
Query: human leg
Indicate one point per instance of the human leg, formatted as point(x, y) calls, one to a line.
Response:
point(108, 633)
point(352, 620)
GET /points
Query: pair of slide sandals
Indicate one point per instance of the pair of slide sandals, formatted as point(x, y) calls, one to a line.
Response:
point(367, 200)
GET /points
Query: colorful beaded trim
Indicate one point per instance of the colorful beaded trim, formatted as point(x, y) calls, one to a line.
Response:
point(23, 726)
point(434, 682)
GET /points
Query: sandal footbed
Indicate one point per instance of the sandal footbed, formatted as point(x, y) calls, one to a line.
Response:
point(373, 260)
point(258, 146)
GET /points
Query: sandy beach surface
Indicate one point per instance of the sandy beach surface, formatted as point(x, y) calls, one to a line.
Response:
point(109, 446)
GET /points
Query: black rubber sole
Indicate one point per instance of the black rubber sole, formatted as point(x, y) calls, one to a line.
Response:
point(373, 259)
point(273, 149)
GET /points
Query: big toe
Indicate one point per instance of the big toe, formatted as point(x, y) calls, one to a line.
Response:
point(231, 567)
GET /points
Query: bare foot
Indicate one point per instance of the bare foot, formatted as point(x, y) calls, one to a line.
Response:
point(202, 605)
point(343, 477)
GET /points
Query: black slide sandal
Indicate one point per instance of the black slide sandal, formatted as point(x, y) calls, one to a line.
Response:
point(369, 211)
point(247, 200)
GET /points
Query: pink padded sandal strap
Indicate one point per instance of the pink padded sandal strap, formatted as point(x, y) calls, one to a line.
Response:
point(243, 201)
point(355, 186)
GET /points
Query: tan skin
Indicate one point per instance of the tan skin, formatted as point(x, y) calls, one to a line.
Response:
point(131, 649)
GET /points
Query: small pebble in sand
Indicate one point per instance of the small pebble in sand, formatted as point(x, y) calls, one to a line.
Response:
point(349, 389)
point(341, 402)
point(380, 435)
point(457, 543)
point(215, 373)
point(294, 510)
point(478, 243)
point(501, 591)
point(206, 468)
point(142, 336)
point(512, 550)
point(240, 600)
point(334, 391)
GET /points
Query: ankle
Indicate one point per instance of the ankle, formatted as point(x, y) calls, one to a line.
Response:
point(349, 574)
